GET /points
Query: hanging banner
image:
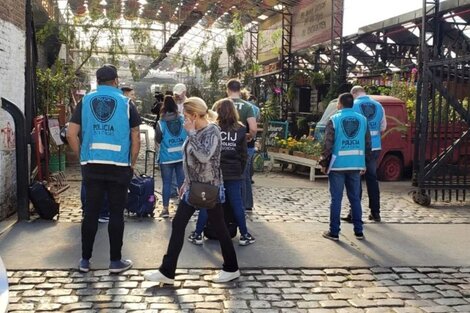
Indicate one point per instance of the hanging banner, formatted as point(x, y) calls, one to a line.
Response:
point(312, 22)
point(270, 39)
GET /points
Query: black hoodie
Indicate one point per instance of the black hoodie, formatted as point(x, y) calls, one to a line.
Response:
point(234, 153)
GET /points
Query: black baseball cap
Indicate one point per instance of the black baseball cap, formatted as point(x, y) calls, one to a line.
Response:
point(106, 73)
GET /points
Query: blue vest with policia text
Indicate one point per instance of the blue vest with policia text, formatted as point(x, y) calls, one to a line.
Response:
point(350, 141)
point(374, 114)
point(173, 137)
point(105, 128)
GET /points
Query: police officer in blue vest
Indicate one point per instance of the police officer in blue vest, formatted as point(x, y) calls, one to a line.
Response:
point(104, 133)
point(375, 114)
point(347, 143)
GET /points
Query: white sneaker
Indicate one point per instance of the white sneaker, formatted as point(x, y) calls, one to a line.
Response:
point(223, 276)
point(158, 277)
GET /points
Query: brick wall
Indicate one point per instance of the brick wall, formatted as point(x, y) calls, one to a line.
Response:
point(12, 87)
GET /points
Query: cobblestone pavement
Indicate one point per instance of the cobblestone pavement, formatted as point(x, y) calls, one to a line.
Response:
point(294, 204)
point(339, 290)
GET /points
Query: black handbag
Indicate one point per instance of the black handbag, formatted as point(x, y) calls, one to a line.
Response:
point(203, 195)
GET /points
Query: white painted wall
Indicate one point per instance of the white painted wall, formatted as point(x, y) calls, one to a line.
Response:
point(12, 87)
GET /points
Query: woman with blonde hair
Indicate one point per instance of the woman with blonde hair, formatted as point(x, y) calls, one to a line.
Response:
point(201, 163)
point(232, 162)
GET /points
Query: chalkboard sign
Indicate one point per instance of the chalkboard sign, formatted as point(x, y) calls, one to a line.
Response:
point(276, 129)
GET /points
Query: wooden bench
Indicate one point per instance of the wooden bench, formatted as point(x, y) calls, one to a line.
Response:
point(274, 156)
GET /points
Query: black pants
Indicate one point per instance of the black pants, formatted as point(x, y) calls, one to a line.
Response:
point(117, 197)
point(216, 218)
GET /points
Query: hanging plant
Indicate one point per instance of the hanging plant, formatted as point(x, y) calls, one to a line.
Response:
point(214, 65)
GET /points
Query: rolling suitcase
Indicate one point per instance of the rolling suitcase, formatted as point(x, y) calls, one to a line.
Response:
point(141, 196)
point(43, 201)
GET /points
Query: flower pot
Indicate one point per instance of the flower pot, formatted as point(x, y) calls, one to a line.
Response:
point(273, 149)
point(299, 154)
point(56, 165)
point(284, 150)
point(312, 157)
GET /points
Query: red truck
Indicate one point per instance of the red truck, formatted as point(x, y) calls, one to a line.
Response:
point(397, 139)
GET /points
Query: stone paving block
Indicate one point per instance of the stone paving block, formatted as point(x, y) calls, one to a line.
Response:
point(117, 291)
point(429, 295)
point(311, 278)
point(77, 306)
point(33, 293)
point(251, 284)
point(259, 304)
point(292, 296)
point(294, 290)
point(390, 302)
point(334, 304)
point(283, 304)
point(350, 310)
point(269, 297)
point(59, 292)
point(21, 307)
point(451, 301)
point(215, 298)
point(438, 309)
point(48, 307)
point(313, 272)
point(403, 270)
point(32, 280)
point(164, 306)
point(209, 305)
point(462, 308)
point(66, 299)
point(125, 284)
point(60, 280)
point(267, 290)
point(87, 292)
point(450, 293)
point(76, 286)
point(235, 304)
point(56, 274)
point(424, 288)
point(135, 306)
point(21, 287)
point(407, 310)
point(362, 303)
point(98, 298)
point(13, 280)
point(374, 295)
point(127, 298)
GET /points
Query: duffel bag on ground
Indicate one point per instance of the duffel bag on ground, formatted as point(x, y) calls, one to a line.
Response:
point(43, 201)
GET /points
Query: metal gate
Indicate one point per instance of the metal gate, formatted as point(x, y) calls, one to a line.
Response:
point(442, 144)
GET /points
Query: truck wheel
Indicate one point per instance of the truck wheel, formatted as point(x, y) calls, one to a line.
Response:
point(391, 168)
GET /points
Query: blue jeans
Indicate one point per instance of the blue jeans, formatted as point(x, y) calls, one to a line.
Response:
point(247, 190)
point(233, 197)
point(352, 180)
point(372, 184)
point(167, 177)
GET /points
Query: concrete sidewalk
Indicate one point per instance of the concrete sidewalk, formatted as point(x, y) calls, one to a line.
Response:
point(51, 245)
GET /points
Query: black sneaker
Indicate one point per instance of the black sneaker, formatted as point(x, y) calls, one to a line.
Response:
point(246, 240)
point(375, 217)
point(195, 238)
point(330, 236)
point(347, 219)
point(84, 265)
point(120, 266)
point(359, 236)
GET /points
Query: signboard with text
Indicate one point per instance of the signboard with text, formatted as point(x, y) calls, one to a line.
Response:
point(270, 39)
point(312, 22)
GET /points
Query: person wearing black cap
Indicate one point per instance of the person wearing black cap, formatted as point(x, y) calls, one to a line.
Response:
point(104, 133)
